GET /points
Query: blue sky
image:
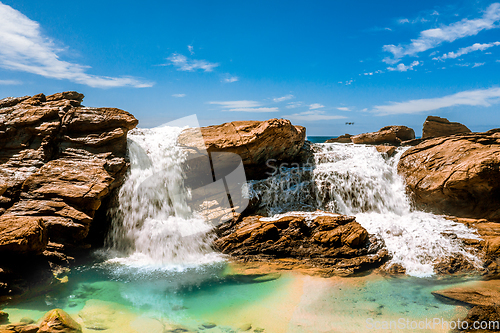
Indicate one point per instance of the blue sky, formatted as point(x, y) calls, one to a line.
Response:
point(318, 63)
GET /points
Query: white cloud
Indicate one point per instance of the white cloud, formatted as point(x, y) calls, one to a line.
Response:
point(179, 95)
point(230, 79)
point(183, 63)
point(190, 49)
point(343, 108)
point(402, 68)
point(403, 21)
point(312, 115)
point(315, 106)
point(465, 50)
point(293, 105)
point(477, 64)
point(24, 48)
point(284, 98)
point(431, 38)
point(481, 97)
point(10, 82)
point(243, 106)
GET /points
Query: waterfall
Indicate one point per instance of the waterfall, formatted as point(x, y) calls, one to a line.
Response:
point(153, 223)
point(357, 180)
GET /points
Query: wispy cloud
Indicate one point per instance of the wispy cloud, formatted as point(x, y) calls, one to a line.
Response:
point(293, 105)
point(403, 21)
point(465, 50)
point(402, 68)
point(284, 98)
point(179, 95)
point(10, 82)
point(477, 64)
point(315, 106)
point(183, 63)
point(230, 79)
point(481, 97)
point(343, 108)
point(24, 48)
point(190, 49)
point(243, 106)
point(431, 38)
point(313, 115)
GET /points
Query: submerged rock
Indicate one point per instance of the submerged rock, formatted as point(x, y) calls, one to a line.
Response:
point(457, 175)
point(58, 321)
point(393, 135)
point(437, 126)
point(334, 241)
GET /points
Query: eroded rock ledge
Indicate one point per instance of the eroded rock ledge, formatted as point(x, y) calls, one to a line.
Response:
point(336, 243)
point(58, 161)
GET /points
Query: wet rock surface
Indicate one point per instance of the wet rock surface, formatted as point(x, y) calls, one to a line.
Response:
point(457, 175)
point(336, 242)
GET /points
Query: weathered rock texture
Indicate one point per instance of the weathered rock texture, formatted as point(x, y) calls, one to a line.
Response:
point(393, 135)
point(335, 242)
point(58, 161)
point(437, 126)
point(256, 142)
point(457, 175)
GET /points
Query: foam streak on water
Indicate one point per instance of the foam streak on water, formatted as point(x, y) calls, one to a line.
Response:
point(357, 180)
point(153, 223)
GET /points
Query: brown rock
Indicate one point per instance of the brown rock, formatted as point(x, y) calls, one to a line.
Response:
point(393, 135)
point(485, 293)
point(256, 142)
point(4, 317)
point(338, 242)
point(437, 126)
point(458, 175)
point(58, 321)
point(22, 234)
point(387, 151)
point(346, 138)
point(488, 316)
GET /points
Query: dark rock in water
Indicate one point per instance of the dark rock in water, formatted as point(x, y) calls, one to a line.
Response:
point(457, 175)
point(437, 126)
point(256, 142)
point(58, 321)
point(334, 241)
point(386, 151)
point(4, 317)
point(346, 138)
point(393, 135)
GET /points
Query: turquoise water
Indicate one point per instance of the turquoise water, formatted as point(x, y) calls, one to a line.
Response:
point(319, 139)
point(209, 298)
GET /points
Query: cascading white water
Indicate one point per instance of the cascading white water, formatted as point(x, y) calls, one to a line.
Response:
point(153, 223)
point(357, 180)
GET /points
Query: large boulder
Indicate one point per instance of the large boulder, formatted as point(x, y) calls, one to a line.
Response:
point(437, 126)
point(393, 135)
point(336, 242)
point(59, 160)
point(256, 142)
point(456, 175)
point(58, 321)
point(346, 138)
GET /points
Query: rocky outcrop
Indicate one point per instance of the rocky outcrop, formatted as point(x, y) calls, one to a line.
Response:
point(336, 242)
point(58, 321)
point(256, 142)
point(346, 138)
point(437, 126)
point(58, 161)
point(457, 175)
point(393, 135)
point(386, 151)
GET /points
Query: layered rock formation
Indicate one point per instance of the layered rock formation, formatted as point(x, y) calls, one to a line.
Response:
point(336, 242)
point(256, 142)
point(437, 126)
point(58, 161)
point(392, 135)
point(346, 138)
point(457, 175)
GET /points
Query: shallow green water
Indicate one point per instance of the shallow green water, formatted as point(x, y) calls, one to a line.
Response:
point(108, 298)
